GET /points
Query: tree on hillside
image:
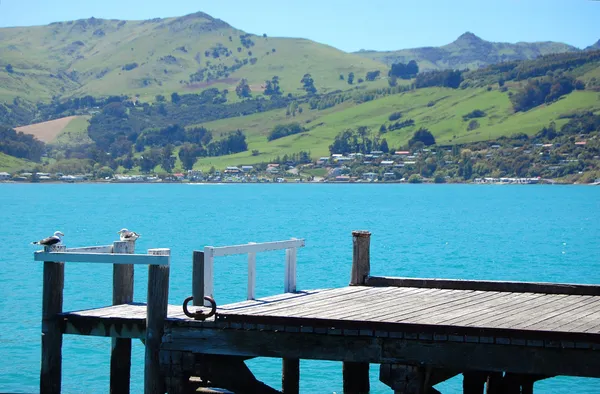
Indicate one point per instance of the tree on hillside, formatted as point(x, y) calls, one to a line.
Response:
point(149, 160)
point(188, 154)
point(243, 89)
point(272, 87)
point(9, 68)
point(167, 160)
point(422, 135)
point(175, 98)
point(404, 71)
point(308, 84)
point(351, 78)
point(383, 146)
point(372, 75)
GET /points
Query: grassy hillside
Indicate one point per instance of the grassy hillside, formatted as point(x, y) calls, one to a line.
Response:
point(160, 56)
point(444, 120)
point(468, 51)
point(11, 164)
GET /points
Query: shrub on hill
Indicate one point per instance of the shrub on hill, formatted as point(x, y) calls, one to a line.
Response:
point(281, 131)
point(404, 71)
point(446, 78)
point(543, 90)
point(422, 135)
point(18, 144)
point(357, 141)
point(395, 116)
point(477, 113)
point(129, 66)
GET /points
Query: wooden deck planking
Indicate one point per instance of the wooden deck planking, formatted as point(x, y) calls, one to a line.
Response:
point(349, 294)
point(552, 311)
point(575, 314)
point(322, 308)
point(463, 309)
point(528, 308)
point(371, 304)
point(407, 303)
point(414, 306)
point(507, 305)
point(462, 300)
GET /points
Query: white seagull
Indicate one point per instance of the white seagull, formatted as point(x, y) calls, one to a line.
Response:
point(53, 240)
point(127, 235)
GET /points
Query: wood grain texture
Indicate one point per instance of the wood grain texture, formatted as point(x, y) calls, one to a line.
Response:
point(52, 304)
point(158, 295)
point(120, 356)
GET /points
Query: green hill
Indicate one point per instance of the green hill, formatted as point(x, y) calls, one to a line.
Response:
point(468, 51)
point(444, 119)
point(159, 56)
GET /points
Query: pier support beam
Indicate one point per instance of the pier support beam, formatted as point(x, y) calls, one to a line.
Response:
point(356, 378)
point(290, 376)
point(156, 313)
point(52, 304)
point(120, 356)
point(356, 375)
point(410, 379)
point(474, 382)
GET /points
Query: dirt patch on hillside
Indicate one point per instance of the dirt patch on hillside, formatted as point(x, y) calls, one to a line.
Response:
point(46, 131)
point(203, 85)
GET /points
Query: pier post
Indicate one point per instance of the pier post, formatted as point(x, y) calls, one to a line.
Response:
point(356, 375)
point(120, 356)
point(156, 313)
point(290, 376)
point(198, 278)
point(474, 382)
point(361, 260)
point(52, 304)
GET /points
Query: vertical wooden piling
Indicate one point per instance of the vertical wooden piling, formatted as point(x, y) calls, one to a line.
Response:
point(120, 357)
point(198, 278)
point(474, 382)
point(356, 375)
point(290, 376)
point(52, 303)
point(361, 260)
point(156, 310)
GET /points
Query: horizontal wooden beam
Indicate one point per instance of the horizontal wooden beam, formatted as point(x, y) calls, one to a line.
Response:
point(106, 258)
point(253, 247)
point(459, 284)
point(114, 328)
point(449, 355)
point(91, 249)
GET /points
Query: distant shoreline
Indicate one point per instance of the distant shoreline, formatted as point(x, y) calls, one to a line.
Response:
point(297, 183)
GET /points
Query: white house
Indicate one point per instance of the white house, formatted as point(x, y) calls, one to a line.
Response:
point(4, 176)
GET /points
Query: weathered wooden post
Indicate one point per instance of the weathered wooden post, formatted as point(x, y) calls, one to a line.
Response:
point(356, 375)
point(156, 313)
point(290, 376)
point(120, 356)
point(474, 382)
point(290, 368)
point(198, 278)
point(52, 304)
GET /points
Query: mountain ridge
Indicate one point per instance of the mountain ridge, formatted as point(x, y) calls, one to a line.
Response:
point(468, 51)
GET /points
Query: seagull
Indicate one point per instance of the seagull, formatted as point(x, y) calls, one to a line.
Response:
point(127, 235)
point(53, 240)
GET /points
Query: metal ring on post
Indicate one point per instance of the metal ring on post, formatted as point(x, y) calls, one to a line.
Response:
point(199, 314)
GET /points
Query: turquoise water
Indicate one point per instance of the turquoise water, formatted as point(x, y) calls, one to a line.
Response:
point(538, 233)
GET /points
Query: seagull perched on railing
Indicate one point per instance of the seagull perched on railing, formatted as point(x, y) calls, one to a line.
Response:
point(127, 235)
point(50, 241)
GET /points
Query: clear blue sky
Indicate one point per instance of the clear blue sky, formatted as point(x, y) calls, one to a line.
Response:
point(349, 25)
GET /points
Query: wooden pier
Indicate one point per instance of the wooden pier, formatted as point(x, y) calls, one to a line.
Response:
point(501, 336)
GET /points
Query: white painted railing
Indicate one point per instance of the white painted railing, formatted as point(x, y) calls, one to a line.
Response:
point(291, 246)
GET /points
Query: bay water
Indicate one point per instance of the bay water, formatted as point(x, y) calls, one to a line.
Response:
point(528, 233)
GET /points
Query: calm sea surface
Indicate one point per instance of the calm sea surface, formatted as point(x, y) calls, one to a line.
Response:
point(533, 233)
